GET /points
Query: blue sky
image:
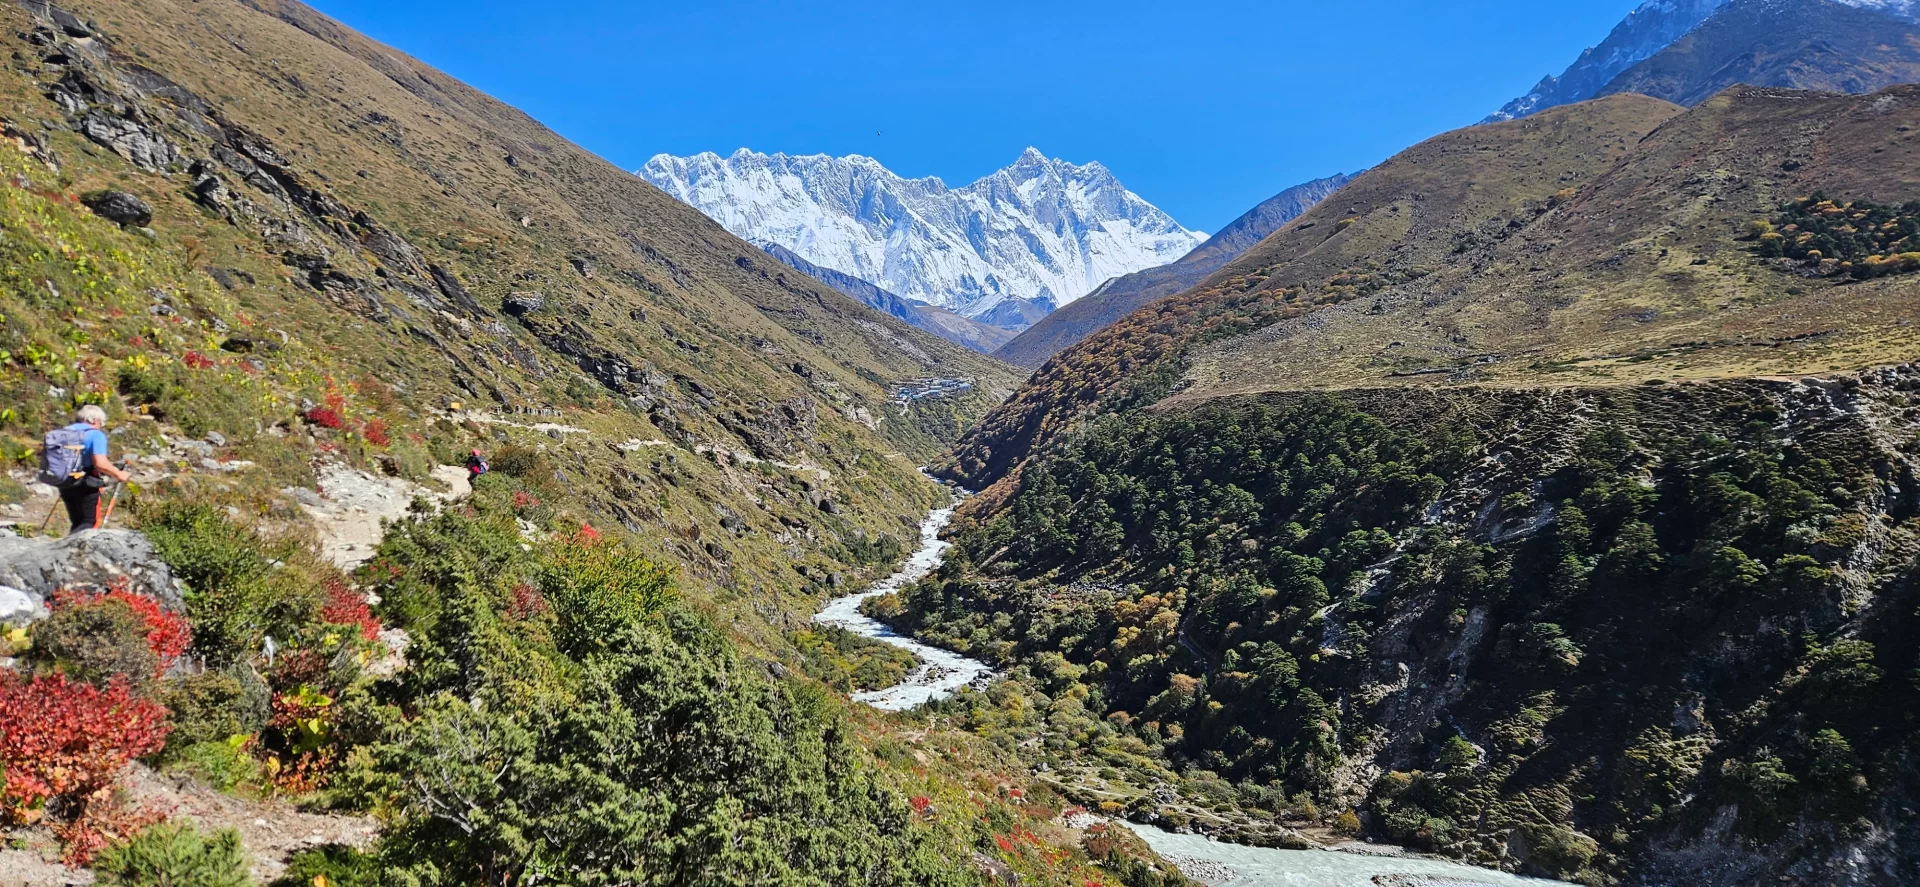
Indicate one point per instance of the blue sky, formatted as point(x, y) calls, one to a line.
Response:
point(1204, 109)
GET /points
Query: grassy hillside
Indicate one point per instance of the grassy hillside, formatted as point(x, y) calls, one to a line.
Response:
point(331, 254)
point(1123, 295)
point(1397, 222)
point(363, 221)
point(1649, 271)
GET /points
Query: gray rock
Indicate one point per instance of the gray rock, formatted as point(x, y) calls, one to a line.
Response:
point(93, 559)
point(304, 496)
point(140, 146)
point(120, 208)
point(216, 438)
point(523, 304)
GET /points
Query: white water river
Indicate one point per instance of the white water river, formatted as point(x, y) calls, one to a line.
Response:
point(1219, 864)
point(942, 672)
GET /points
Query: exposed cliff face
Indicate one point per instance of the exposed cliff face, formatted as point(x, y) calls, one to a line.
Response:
point(1649, 634)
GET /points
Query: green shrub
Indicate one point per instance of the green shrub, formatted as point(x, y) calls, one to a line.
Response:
point(215, 705)
point(235, 595)
point(96, 641)
point(340, 866)
point(600, 590)
point(848, 662)
point(225, 765)
point(1561, 850)
point(519, 461)
point(175, 854)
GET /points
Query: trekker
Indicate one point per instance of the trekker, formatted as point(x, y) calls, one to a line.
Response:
point(476, 466)
point(75, 459)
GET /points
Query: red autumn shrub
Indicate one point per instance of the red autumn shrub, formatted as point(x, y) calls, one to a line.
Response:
point(920, 803)
point(526, 603)
point(345, 606)
point(375, 431)
point(588, 535)
point(61, 745)
point(325, 417)
point(168, 634)
point(301, 667)
point(197, 361)
point(524, 499)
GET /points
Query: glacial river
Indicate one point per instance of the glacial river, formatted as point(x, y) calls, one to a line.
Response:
point(943, 672)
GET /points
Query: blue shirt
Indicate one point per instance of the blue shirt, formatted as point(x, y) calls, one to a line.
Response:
point(95, 443)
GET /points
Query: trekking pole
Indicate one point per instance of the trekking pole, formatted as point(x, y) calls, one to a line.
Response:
point(107, 515)
point(55, 507)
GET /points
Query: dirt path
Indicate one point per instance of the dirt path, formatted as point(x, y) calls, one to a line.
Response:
point(351, 504)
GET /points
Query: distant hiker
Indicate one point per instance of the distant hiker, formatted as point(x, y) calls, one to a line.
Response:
point(73, 459)
point(476, 466)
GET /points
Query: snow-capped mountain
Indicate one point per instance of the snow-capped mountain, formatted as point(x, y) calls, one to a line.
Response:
point(1645, 31)
point(1649, 29)
point(1042, 230)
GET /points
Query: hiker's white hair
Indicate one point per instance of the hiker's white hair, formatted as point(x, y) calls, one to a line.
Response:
point(91, 414)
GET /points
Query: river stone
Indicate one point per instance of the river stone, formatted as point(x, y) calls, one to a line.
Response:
point(93, 559)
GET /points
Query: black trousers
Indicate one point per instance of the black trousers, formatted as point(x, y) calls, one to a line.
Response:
point(83, 504)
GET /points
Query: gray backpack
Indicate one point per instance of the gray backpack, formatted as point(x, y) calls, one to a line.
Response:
point(63, 457)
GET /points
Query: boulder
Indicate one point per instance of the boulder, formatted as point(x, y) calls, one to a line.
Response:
point(31, 570)
point(523, 304)
point(120, 208)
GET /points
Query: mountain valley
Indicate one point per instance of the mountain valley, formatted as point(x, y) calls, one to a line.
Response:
point(1543, 500)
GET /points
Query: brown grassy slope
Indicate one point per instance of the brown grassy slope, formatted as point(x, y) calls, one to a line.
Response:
point(1640, 275)
point(448, 164)
point(1810, 44)
point(1403, 217)
point(1125, 294)
point(737, 414)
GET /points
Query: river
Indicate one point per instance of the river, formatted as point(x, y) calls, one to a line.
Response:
point(1220, 864)
point(943, 672)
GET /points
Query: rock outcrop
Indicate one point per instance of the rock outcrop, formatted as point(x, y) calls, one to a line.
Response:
point(31, 570)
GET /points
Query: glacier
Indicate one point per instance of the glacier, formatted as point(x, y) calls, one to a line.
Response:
point(1042, 230)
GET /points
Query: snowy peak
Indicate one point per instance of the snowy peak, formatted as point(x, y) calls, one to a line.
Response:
point(1652, 28)
point(1041, 230)
point(1646, 30)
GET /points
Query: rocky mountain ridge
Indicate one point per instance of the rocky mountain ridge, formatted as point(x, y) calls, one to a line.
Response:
point(1651, 27)
point(1041, 230)
point(1656, 26)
